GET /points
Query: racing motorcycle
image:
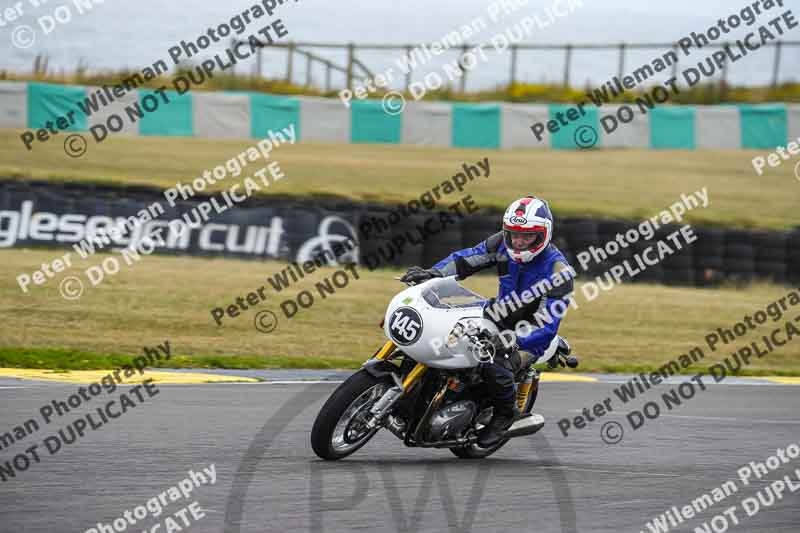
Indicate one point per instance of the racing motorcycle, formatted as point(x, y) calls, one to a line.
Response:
point(425, 384)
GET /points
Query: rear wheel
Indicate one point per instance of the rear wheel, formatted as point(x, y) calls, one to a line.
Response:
point(340, 428)
point(473, 451)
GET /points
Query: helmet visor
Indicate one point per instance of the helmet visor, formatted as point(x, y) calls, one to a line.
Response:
point(522, 241)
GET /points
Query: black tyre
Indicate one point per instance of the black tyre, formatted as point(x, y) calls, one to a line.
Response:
point(739, 256)
point(437, 246)
point(476, 452)
point(579, 235)
point(477, 228)
point(771, 248)
point(651, 273)
point(793, 257)
point(708, 251)
point(339, 430)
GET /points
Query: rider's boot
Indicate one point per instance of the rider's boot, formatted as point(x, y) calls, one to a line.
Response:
point(502, 419)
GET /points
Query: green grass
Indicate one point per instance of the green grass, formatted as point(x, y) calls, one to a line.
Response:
point(634, 327)
point(630, 184)
point(60, 359)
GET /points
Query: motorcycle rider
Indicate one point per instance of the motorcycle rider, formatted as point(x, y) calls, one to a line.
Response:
point(524, 256)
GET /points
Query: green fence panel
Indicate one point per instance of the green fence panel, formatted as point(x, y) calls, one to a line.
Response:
point(582, 129)
point(273, 113)
point(672, 128)
point(169, 115)
point(48, 102)
point(370, 123)
point(764, 126)
point(476, 125)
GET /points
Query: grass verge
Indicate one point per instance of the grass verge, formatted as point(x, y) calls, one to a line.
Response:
point(60, 359)
point(634, 327)
point(629, 184)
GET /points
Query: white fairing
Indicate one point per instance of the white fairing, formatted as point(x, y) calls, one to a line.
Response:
point(420, 319)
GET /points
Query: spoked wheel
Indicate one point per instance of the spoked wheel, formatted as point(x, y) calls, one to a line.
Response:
point(473, 451)
point(340, 428)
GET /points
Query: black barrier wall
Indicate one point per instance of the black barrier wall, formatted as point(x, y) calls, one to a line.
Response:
point(37, 214)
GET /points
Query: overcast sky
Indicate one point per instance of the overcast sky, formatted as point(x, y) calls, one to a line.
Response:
point(134, 34)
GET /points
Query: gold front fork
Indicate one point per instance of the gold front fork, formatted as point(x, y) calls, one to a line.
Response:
point(386, 351)
point(412, 376)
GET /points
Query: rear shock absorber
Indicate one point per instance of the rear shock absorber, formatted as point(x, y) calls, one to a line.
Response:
point(525, 387)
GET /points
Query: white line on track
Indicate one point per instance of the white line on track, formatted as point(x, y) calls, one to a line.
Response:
point(720, 418)
point(617, 472)
point(729, 419)
point(762, 481)
point(618, 503)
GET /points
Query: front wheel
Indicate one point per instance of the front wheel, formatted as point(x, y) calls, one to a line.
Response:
point(340, 428)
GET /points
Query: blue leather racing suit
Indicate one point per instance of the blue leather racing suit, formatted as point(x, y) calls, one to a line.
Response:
point(513, 304)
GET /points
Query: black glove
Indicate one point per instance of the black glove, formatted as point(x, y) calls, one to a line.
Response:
point(417, 275)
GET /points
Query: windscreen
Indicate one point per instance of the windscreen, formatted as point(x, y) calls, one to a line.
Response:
point(448, 293)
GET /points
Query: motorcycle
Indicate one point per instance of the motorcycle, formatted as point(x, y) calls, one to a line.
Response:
point(425, 384)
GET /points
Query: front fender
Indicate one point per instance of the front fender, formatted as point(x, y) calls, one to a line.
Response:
point(380, 369)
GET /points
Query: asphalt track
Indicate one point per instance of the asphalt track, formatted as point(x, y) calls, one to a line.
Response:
point(268, 479)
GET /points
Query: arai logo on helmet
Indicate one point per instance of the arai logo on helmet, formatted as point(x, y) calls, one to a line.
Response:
point(405, 326)
point(519, 221)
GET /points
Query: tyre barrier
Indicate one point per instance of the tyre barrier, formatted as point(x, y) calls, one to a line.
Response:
point(771, 260)
point(678, 267)
point(389, 244)
point(653, 273)
point(707, 252)
point(793, 257)
point(413, 249)
point(561, 243)
point(718, 254)
point(477, 228)
point(371, 237)
point(739, 256)
point(578, 234)
point(607, 231)
point(440, 245)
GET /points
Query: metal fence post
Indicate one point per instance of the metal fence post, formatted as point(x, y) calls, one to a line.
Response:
point(776, 67)
point(233, 45)
point(723, 78)
point(293, 48)
point(328, 76)
point(464, 71)
point(289, 61)
point(514, 50)
point(408, 74)
point(675, 65)
point(567, 65)
point(351, 53)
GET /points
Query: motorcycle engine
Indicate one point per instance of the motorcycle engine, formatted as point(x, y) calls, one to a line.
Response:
point(452, 419)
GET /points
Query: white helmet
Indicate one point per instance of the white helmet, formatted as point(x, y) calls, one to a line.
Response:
point(527, 228)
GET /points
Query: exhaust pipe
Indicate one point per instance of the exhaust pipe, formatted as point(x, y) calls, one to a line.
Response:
point(525, 426)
